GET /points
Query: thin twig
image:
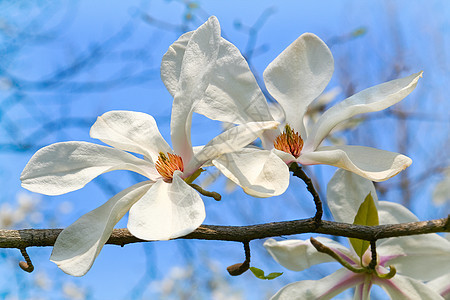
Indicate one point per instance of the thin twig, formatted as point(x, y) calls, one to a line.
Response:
point(373, 250)
point(26, 265)
point(298, 172)
point(240, 268)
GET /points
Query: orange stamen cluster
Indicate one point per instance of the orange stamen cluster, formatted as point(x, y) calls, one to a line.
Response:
point(289, 141)
point(167, 165)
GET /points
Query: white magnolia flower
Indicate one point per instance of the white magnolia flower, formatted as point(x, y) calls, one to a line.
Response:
point(295, 78)
point(165, 206)
point(416, 258)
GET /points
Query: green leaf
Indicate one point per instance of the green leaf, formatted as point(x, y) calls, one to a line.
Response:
point(367, 215)
point(260, 274)
point(274, 275)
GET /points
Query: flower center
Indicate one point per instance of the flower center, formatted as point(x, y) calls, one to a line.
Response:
point(289, 141)
point(166, 165)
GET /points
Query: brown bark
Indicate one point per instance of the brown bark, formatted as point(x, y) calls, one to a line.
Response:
point(46, 237)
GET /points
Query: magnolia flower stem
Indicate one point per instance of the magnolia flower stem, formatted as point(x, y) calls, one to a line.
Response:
point(298, 172)
point(199, 189)
point(26, 265)
point(240, 268)
point(373, 249)
point(324, 249)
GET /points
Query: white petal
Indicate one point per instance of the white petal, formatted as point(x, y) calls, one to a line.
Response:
point(422, 257)
point(298, 255)
point(286, 157)
point(229, 141)
point(345, 193)
point(259, 172)
point(130, 131)
point(394, 213)
point(167, 211)
point(441, 285)
point(370, 163)
point(372, 99)
point(233, 95)
point(78, 245)
point(64, 167)
point(198, 63)
point(298, 75)
point(402, 287)
point(323, 289)
point(172, 62)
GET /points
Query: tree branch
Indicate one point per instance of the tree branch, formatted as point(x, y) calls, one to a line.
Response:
point(298, 172)
point(47, 237)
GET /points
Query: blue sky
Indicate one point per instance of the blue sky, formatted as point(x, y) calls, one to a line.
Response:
point(401, 37)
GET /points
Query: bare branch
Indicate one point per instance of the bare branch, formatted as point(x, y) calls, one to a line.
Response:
point(47, 237)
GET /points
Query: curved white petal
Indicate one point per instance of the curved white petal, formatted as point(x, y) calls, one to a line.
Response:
point(298, 75)
point(372, 99)
point(64, 167)
point(422, 257)
point(167, 211)
point(233, 95)
point(370, 163)
point(298, 255)
point(402, 287)
point(345, 193)
point(323, 289)
point(78, 245)
point(394, 213)
point(229, 141)
point(172, 61)
point(441, 285)
point(130, 131)
point(197, 64)
point(286, 157)
point(259, 172)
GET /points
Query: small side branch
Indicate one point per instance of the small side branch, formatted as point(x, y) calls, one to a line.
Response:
point(26, 265)
point(373, 250)
point(240, 268)
point(298, 172)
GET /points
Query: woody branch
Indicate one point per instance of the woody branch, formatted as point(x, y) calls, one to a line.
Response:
point(47, 237)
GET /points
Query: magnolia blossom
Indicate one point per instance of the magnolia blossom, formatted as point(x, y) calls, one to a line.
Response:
point(417, 258)
point(165, 206)
point(295, 78)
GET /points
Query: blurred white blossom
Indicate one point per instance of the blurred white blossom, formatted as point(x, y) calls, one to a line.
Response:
point(441, 192)
point(23, 213)
point(72, 291)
